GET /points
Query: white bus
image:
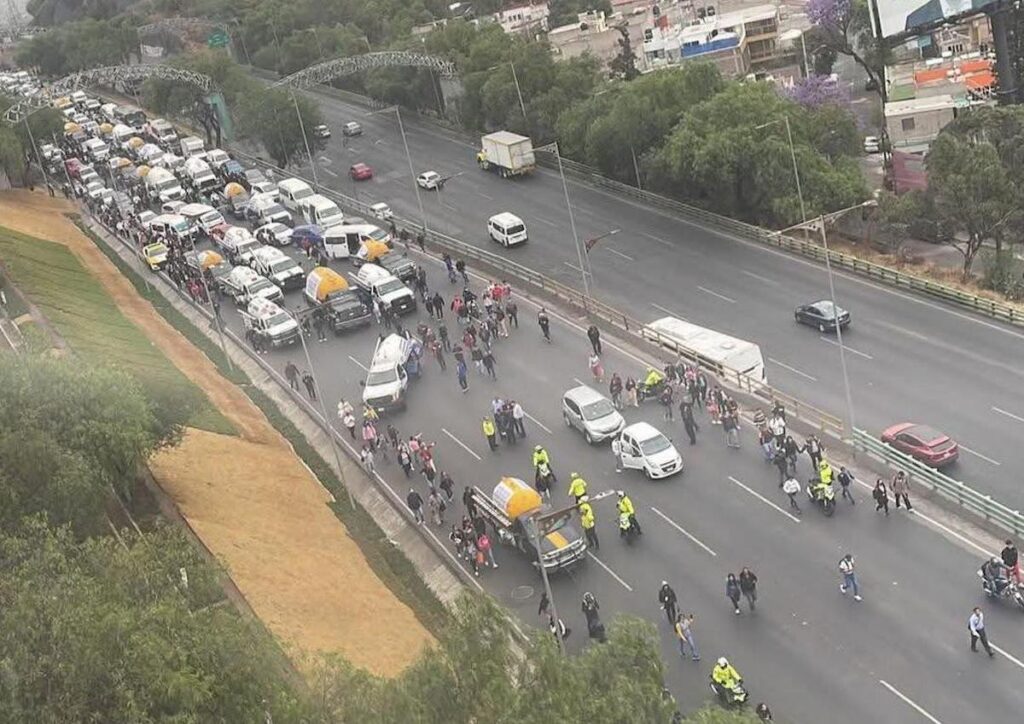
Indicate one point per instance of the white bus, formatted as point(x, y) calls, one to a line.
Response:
point(708, 346)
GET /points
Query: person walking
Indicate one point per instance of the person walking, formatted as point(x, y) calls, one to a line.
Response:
point(590, 608)
point(544, 323)
point(901, 489)
point(846, 478)
point(594, 335)
point(732, 437)
point(665, 398)
point(447, 486)
point(366, 458)
point(488, 362)
point(847, 568)
point(415, 503)
point(976, 625)
point(792, 452)
point(483, 545)
point(349, 421)
point(589, 522)
point(781, 464)
point(491, 433)
point(667, 599)
point(732, 591)
point(1010, 558)
point(630, 388)
point(405, 460)
point(307, 380)
point(437, 507)
point(684, 632)
point(596, 368)
point(467, 501)
point(881, 496)
point(461, 372)
point(690, 424)
point(791, 487)
point(812, 446)
point(748, 586)
point(615, 390)
point(518, 413)
point(291, 373)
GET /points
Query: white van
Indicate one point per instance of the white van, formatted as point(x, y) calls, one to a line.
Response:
point(278, 267)
point(273, 324)
point(263, 209)
point(201, 216)
point(192, 146)
point(164, 185)
point(387, 379)
point(506, 229)
point(345, 239)
point(217, 158)
point(107, 109)
point(171, 225)
point(323, 212)
point(162, 132)
point(712, 348)
point(293, 192)
point(385, 287)
point(200, 173)
point(238, 244)
point(243, 285)
point(96, 150)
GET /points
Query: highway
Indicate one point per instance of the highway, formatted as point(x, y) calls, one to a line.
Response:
point(813, 654)
point(910, 358)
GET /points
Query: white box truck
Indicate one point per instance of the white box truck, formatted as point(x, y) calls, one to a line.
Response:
point(507, 153)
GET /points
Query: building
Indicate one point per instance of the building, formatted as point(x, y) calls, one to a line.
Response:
point(599, 36)
point(740, 42)
point(528, 19)
point(922, 97)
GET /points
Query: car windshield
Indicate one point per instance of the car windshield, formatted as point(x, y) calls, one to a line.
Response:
point(273, 210)
point(167, 184)
point(392, 285)
point(597, 409)
point(382, 377)
point(181, 227)
point(344, 302)
point(653, 446)
point(259, 285)
point(378, 235)
point(247, 245)
point(302, 194)
point(155, 249)
point(279, 318)
point(211, 217)
point(283, 265)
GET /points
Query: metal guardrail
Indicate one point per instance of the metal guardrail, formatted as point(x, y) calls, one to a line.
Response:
point(952, 490)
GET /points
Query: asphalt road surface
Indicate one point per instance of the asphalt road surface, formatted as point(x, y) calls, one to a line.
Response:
point(910, 358)
point(900, 655)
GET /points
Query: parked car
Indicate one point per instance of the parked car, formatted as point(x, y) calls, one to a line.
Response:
point(321, 131)
point(923, 443)
point(872, 144)
point(360, 172)
point(275, 234)
point(822, 315)
point(429, 180)
point(641, 446)
point(593, 414)
point(352, 129)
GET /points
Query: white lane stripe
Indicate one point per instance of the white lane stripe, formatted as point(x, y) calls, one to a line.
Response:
point(846, 347)
point(611, 572)
point(716, 294)
point(619, 253)
point(979, 455)
point(765, 500)
point(481, 193)
point(329, 172)
point(461, 444)
point(668, 311)
point(908, 701)
point(794, 370)
point(545, 221)
point(657, 239)
point(541, 425)
point(572, 266)
point(682, 530)
point(1008, 414)
point(766, 280)
point(902, 330)
point(578, 380)
point(358, 364)
point(1012, 659)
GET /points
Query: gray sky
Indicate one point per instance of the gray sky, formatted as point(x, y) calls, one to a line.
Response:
point(892, 14)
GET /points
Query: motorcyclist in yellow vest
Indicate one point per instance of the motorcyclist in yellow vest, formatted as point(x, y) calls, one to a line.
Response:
point(540, 455)
point(577, 486)
point(653, 377)
point(588, 521)
point(725, 675)
point(625, 507)
point(824, 478)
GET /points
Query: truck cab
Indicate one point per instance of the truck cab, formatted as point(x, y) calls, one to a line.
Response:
point(382, 286)
point(243, 285)
point(278, 267)
point(388, 378)
point(274, 325)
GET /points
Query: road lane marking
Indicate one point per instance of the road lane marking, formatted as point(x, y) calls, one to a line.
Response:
point(461, 444)
point(612, 573)
point(540, 424)
point(578, 381)
point(572, 266)
point(619, 253)
point(481, 193)
point(794, 370)
point(330, 172)
point(903, 330)
point(765, 500)
point(324, 159)
point(657, 239)
point(908, 701)
point(358, 364)
point(979, 455)
point(682, 530)
point(846, 347)
point(1012, 659)
point(716, 294)
point(760, 278)
point(1008, 414)
point(545, 221)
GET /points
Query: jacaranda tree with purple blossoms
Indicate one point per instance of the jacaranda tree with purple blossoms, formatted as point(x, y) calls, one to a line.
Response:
point(845, 27)
point(816, 91)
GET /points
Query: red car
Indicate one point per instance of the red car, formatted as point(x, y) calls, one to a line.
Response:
point(360, 172)
point(923, 443)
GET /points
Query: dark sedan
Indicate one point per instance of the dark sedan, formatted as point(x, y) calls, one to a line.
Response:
point(821, 315)
point(923, 443)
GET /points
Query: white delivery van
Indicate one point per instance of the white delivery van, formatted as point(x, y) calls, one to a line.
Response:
point(164, 185)
point(79, 98)
point(273, 324)
point(96, 150)
point(709, 347)
point(293, 192)
point(202, 216)
point(320, 210)
point(278, 267)
point(243, 285)
point(383, 286)
point(192, 146)
point(506, 229)
point(345, 239)
point(171, 225)
point(162, 132)
point(387, 379)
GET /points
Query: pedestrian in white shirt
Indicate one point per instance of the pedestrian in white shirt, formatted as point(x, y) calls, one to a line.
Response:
point(976, 625)
point(518, 413)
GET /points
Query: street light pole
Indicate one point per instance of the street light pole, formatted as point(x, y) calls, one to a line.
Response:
point(39, 160)
point(535, 535)
point(408, 157)
point(636, 167)
point(839, 329)
point(792, 155)
point(588, 246)
point(305, 138)
point(519, 92)
point(572, 222)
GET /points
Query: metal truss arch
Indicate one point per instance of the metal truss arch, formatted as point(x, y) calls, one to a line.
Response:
point(108, 75)
point(331, 69)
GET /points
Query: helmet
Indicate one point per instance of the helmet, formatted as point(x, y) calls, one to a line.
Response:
point(537, 448)
point(723, 662)
point(584, 498)
point(620, 493)
point(664, 583)
point(573, 476)
point(995, 560)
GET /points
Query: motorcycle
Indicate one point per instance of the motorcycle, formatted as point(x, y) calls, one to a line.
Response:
point(627, 529)
point(736, 696)
point(826, 497)
point(1002, 588)
point(646, 392)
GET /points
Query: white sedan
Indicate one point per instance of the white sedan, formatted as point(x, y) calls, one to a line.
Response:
point(641, 446)
point(274, 233)
point(429, 180)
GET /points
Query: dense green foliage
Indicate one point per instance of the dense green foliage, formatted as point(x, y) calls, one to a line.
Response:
point(15, 143)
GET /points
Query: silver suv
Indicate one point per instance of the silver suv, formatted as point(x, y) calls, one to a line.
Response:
point(591, 413)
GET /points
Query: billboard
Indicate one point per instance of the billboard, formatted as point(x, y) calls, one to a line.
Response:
point(892, 17)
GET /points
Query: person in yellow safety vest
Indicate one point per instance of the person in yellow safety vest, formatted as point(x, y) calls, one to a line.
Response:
point(540, 455)
point(625, 507)
point(824, 477)
point(588, 521)
point(725, 675)
point(490, 433)
point(653, 377)
point(577, 486)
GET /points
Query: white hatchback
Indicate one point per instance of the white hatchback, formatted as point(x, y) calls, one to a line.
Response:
point(429, 180)
point(641, 446)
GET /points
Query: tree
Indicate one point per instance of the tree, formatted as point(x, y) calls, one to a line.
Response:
point(623, 65)
point(565, 12)
point(270, 117)
point(844, 27)
point(815, 91)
